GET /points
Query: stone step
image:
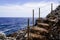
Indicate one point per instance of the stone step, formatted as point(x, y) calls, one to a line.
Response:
point(52, 20)
point(43, 24)
point(39, 29)
point(33, 35)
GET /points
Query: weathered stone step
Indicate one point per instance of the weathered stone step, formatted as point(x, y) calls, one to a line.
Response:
point(52, 20)
point(43, 24)
point(38, 29)
point(36, 36)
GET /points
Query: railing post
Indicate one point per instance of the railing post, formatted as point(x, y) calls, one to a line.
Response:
point(39, 12)
point(33, 17)
point(28, 28)
point(51, 7)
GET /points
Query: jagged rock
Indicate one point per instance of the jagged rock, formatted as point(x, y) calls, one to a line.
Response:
point(55, 16)
point(21, 34)
point(2, 36)
point(12, 35)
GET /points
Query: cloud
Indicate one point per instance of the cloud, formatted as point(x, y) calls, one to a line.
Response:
point(25, 10)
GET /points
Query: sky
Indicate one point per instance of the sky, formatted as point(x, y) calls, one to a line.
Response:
point(23, 8)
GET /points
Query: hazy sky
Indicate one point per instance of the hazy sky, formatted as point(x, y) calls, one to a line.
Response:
point(23, 8)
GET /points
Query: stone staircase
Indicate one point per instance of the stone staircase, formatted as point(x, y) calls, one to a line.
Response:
point(44, 28)
point(39, 31)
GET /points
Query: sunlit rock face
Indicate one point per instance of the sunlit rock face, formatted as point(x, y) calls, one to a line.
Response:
point(2, 36)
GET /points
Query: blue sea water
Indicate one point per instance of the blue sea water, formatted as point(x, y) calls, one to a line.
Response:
point(11, 25)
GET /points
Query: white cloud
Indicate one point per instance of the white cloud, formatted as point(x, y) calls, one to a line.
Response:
point(25, 10)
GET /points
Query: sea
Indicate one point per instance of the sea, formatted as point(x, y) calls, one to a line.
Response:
point(9, 25)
